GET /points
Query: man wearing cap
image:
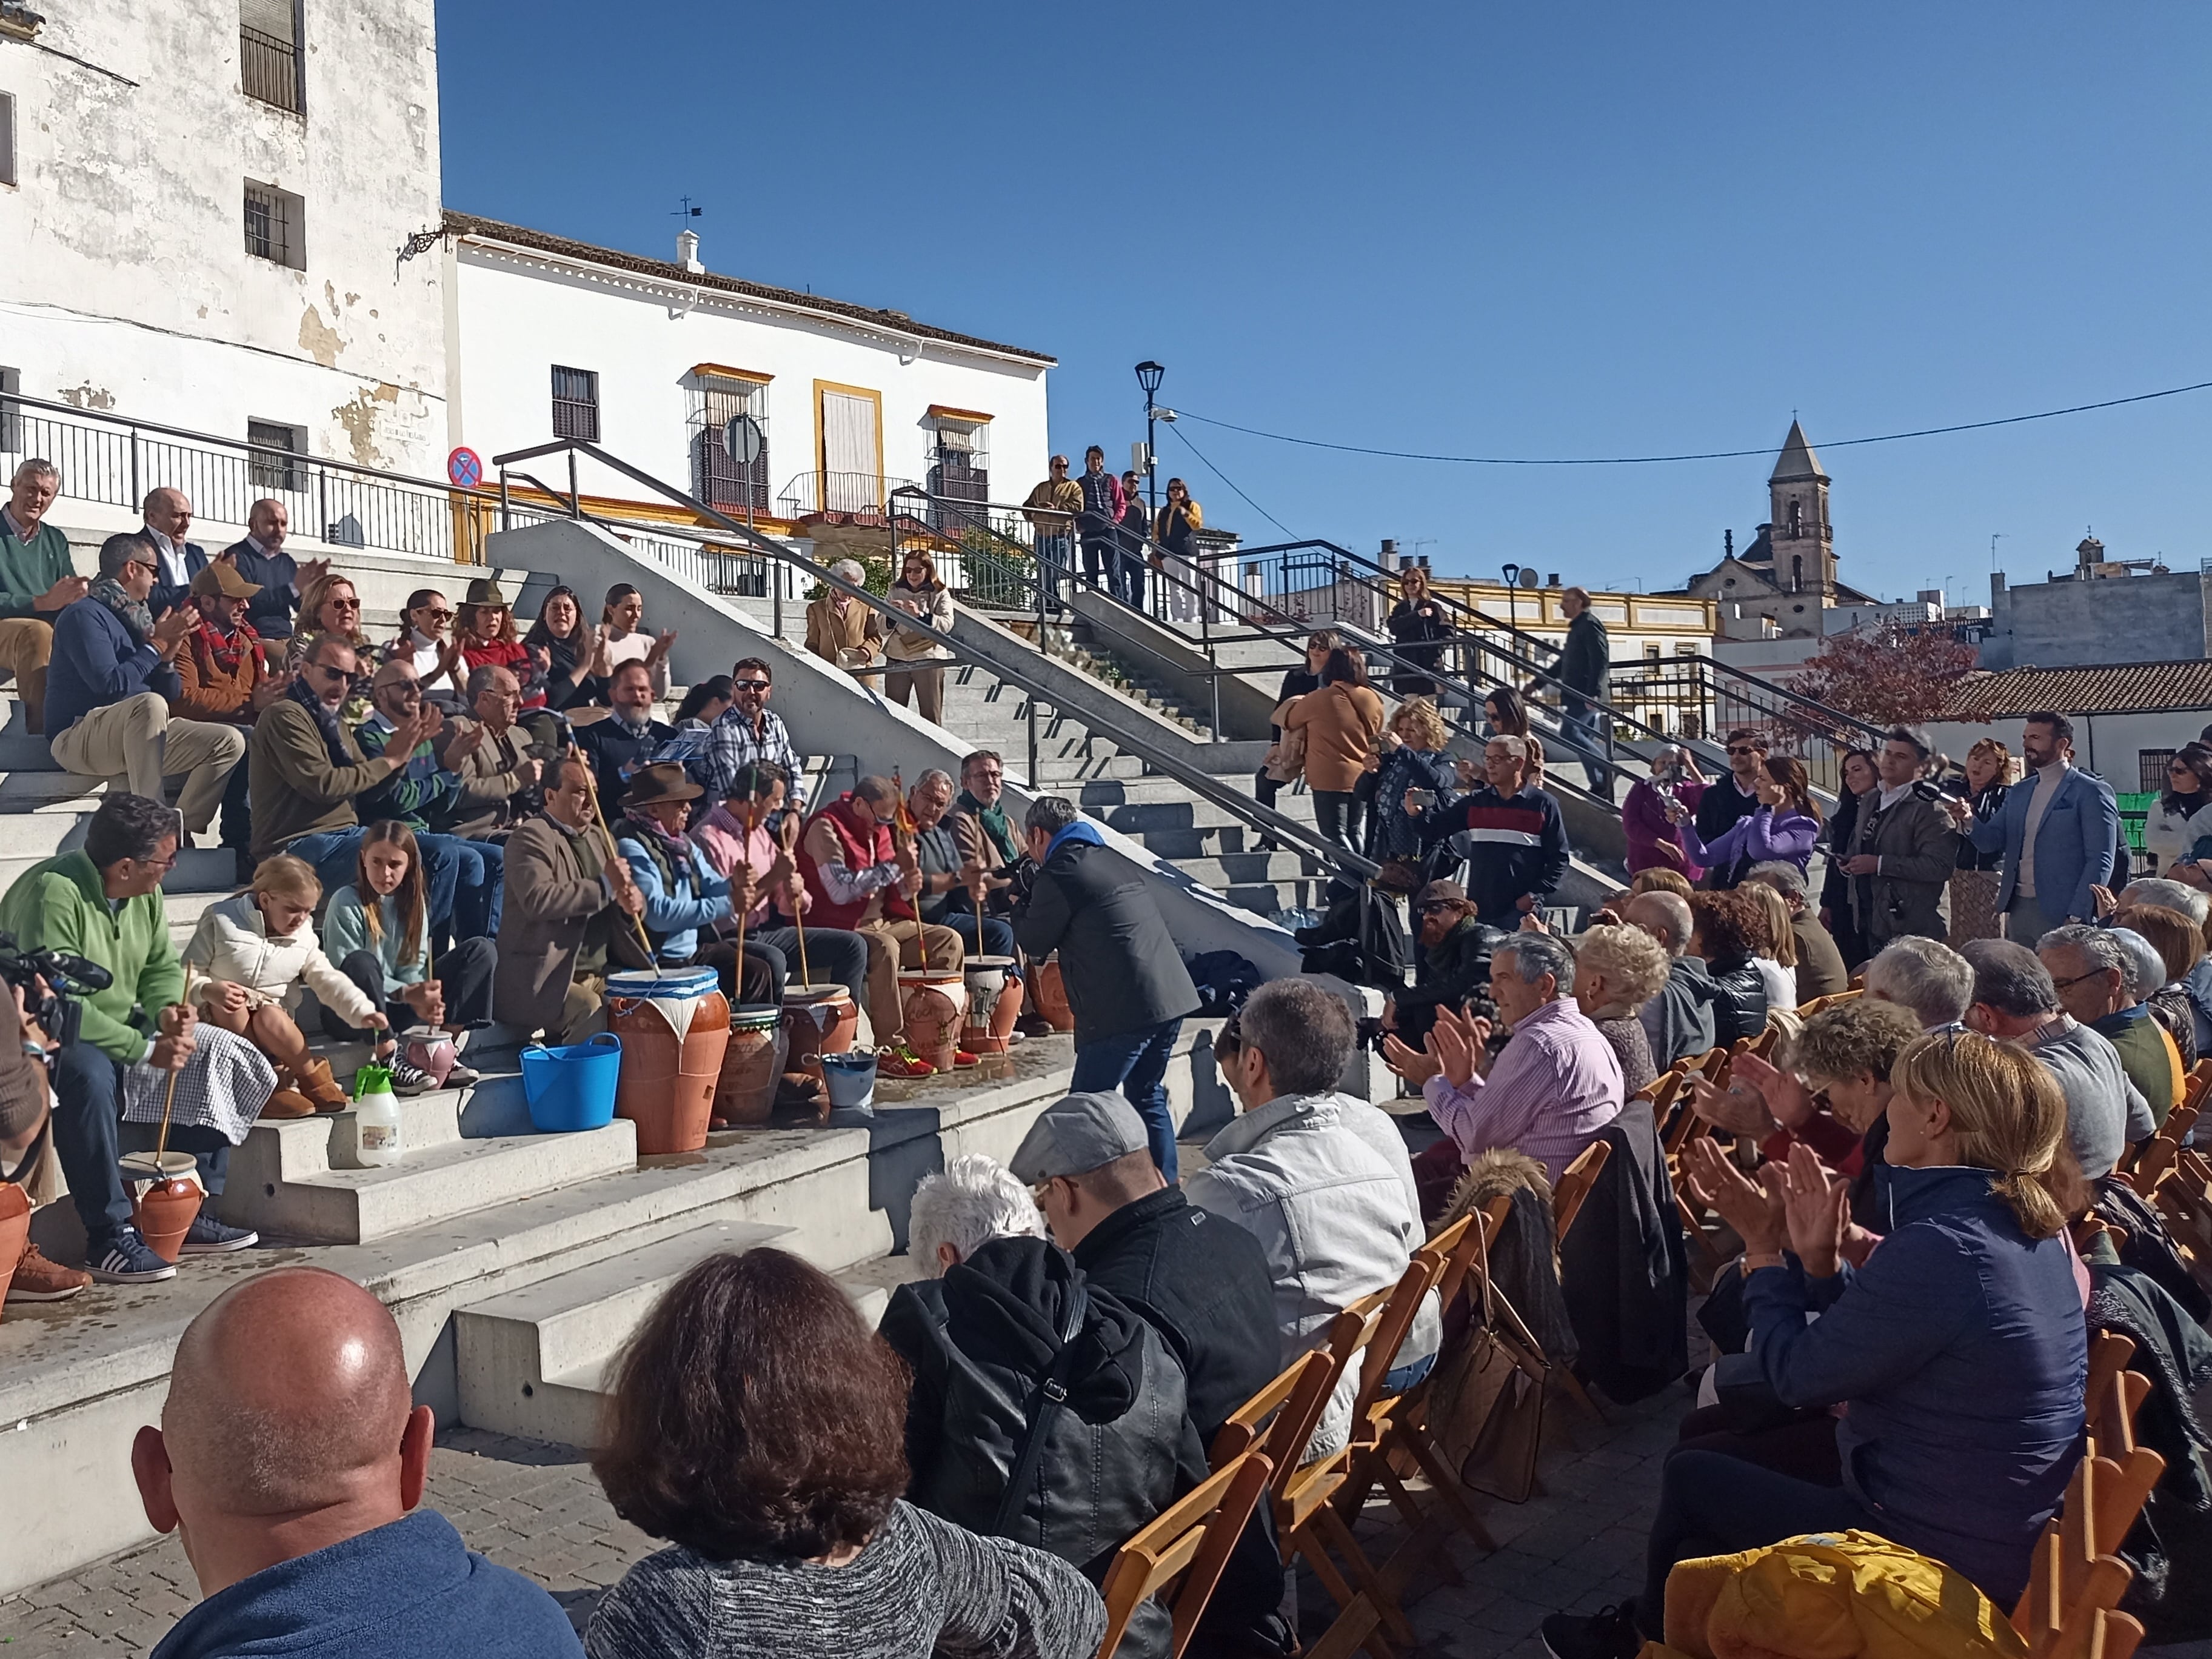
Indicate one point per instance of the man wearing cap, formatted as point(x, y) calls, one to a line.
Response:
point(1201, 1282)
point(109, 685)
point(683, 897)
point(1454, 960)
point(223, 677)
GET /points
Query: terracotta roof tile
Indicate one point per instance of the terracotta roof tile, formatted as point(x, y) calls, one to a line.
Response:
point(469, 224)
point(2103, 688)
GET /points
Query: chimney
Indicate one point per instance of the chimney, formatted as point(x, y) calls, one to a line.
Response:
point(687, 251)
point(1389, 557)
point(1728, 543)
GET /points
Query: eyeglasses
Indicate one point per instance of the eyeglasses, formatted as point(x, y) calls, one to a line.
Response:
point(503, 696)
point(2094, 973)
point(1435, 905)
point(437, 615)
point(343, 604)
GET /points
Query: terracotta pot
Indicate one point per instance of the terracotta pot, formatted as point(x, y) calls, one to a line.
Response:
point(936, 1004)
point(14, 1233)
point(817, 1020)
point(746, 1092)
point(1052, 996)
point(667, 1084)
point(995, 1003)
point(164, 1213)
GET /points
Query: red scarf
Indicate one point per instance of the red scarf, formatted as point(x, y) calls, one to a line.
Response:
point(221, 657)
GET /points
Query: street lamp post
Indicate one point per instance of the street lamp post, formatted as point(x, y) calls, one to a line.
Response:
point(1149, 376)
point(1512, 602)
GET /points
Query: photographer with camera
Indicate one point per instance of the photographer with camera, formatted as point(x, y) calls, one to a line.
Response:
point(26, 1133)
point(104, 902)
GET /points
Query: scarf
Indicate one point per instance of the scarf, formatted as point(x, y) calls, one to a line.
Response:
point(334, 737)
point(674, 847)
point(221, 654)
point(137, 619)
point(993, 820)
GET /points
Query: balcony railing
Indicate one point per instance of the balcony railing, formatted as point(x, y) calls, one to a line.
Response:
point(858, 493)
point(269, 69)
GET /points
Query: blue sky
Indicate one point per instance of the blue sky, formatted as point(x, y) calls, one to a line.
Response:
point(1558, 230)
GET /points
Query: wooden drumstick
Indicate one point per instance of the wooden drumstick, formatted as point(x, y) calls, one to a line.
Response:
point(599, 815)
point(753, 817)
point(903, 823)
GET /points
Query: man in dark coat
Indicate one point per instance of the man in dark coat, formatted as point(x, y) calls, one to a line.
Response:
point(1125, 980)
point(1585, 678)
point(1728, 799)
point(1454, 962)
point(618, 746)
point(261, 558)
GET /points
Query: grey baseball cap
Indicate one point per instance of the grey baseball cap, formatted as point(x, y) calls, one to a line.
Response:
point(1077, 1135)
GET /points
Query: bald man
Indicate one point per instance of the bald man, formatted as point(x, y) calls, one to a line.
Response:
point(289, 1461)
point(168, 515)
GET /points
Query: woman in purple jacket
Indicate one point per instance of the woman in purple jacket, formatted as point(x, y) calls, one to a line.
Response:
point(1784, 827)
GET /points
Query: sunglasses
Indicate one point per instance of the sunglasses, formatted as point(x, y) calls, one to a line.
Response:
point(343, 605)
point(749, 685)
point(1435, 905)
point(1739, 748)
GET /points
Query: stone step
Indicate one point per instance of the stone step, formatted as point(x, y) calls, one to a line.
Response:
point(445, 1178)
point(534, 1362)
point(201, 870)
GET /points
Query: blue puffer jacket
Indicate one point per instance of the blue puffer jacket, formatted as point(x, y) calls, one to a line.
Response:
point(1961, 1351)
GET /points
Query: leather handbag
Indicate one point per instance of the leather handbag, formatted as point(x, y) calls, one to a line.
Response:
point(1489, 1400)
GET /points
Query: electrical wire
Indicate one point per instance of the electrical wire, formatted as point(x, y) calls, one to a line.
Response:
point(1653, 460)
point(1230, 482)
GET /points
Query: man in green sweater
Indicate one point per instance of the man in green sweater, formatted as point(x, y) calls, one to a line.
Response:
point(36, 580)
point(104, 903)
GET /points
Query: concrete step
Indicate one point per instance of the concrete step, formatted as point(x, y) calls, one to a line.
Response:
point(200, 870)
point(534, 1362)
point(449, 1173)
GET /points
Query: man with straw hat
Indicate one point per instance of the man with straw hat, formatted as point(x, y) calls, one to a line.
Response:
point(103, 901)
point(684, 899)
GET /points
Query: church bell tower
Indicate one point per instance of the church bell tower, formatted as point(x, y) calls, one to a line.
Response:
point(1801, 538)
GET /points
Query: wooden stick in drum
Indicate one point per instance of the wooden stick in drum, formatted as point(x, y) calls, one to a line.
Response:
point(161, 1141)
point(753, 817)
point(903, 824)
point(599, 815)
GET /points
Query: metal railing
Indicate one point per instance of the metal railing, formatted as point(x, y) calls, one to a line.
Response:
point(1016, 673)
point(115, 462)
point(857, 493)
point(269, 69)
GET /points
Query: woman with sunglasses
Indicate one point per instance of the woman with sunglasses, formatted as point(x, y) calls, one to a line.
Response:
point(331, 608)
point(2183, 816)
point(1176, 530)
point(426, 640)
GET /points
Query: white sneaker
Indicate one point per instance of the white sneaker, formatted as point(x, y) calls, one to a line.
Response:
point(408, 1078)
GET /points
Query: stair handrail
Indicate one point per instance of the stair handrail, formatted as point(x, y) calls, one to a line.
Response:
point(1357, 869)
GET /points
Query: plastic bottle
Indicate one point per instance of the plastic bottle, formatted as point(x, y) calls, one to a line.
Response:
point(376, 1118)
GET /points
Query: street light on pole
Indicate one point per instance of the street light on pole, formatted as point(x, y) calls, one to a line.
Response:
point(1149, 376)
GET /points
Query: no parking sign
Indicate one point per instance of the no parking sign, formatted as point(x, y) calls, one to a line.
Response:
point(465, 468)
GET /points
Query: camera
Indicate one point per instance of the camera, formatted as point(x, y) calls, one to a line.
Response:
point(68, 976)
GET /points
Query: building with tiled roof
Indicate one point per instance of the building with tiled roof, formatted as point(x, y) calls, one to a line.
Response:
point(2128, 717)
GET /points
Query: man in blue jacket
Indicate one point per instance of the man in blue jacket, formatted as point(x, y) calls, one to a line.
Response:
point(261, 558)
point(293, 1457)
point(2057, 832)
point(109, 685)
point(686, 903)
point(1516, 852)
point(177, 561)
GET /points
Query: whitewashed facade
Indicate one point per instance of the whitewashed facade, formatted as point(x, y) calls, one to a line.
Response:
point(653, 359)
point(204, 203)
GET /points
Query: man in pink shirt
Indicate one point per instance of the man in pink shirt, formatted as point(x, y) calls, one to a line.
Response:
point(1553, 1088)
point(765, 888)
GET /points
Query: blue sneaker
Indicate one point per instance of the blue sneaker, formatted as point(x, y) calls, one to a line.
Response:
point(209, 1236)
point(123, 1259)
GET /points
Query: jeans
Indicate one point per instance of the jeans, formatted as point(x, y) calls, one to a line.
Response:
point(463, 976)
point(1337, 815)
point(463, 878)
point(1056, 557)
point(1101, 562)
point(1713, 1504)
point(1586, 732)
point(997, 937)
point(2025, 921)
point(1136, 1063)
point(237, 808)
point(90, 1135)
point(834, 957)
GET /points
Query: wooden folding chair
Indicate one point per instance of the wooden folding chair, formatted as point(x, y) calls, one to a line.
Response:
point(2199, 1085)
point(1190, 1540)
point(1289, 1409)
point(1574, 1185)
point(2184, 1197)
point(2109, 1353)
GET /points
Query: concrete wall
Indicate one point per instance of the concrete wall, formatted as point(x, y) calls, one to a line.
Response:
point(518, 312)
point(2149, 618)
point(128, 285)
point(831, 712)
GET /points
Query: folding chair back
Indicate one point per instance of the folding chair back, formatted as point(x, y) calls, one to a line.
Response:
point(2198, 1085)
point(1189, 1540)
point(1574, 1184)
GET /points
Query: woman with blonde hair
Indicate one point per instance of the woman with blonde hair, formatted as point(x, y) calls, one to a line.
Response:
point(917, 660)
point(1991, 771)
point(331, 610)
point(1778, 962)
point(1417, 629)
point(1959, 1350)
point(1414, 758)
point(1617, 971)
point(244, 970)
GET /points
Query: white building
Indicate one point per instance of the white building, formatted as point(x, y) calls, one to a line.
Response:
point(653, 359)
point(206, 204)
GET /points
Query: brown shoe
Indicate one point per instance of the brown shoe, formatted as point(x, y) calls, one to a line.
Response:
point(314, 1080)
point(38, 1279)
point(288, 1102)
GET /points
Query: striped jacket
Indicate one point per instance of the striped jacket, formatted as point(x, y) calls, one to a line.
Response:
point(1515, 845)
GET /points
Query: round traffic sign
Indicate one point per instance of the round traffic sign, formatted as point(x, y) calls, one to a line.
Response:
point(744, 440)
point(465, 467)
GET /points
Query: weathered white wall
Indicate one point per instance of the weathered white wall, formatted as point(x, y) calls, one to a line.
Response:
point(128, 285)
point(518, 312)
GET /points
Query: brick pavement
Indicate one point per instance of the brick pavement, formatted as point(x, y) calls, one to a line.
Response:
point(1576, 1546)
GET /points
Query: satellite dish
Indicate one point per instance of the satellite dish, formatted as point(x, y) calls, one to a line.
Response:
point(745, 439)
point(1529, 579)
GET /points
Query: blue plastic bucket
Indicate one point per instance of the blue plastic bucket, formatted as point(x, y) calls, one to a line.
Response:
point(572, 1088)
point(851, 1080)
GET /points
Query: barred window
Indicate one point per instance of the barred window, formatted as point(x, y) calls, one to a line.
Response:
point(273, 460)
point(7, 138)
point(576, 404)
point(275, 226)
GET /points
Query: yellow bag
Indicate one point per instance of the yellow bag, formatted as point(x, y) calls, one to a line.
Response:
point(1849, 1596)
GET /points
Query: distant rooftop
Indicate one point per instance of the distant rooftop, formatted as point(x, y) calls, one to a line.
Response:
point(2128, 688)
point(469, 224)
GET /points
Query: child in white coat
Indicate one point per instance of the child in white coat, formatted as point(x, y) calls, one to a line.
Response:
point(247, 961)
